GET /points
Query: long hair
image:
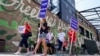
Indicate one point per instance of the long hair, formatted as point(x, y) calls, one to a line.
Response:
point(44, 20)
point(26, 23)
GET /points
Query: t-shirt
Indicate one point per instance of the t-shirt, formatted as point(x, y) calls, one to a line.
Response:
point(74, 36)
point(61, 36)
point(27, 26)
point(44, 30)
point(49, 36)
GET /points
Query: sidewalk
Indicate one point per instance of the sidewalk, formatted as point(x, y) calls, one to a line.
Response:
point(23, 54)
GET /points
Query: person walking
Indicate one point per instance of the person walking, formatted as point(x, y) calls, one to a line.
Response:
point(27, 33)
point(49, 40)
point(61, 39)
point(43, 30)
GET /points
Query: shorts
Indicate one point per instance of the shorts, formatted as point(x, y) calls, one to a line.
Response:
point(42, 35)
point(49, 44)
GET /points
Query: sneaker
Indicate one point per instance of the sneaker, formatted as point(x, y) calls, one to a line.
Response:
point(42, 55)
point(29, 53)
point(17, 53)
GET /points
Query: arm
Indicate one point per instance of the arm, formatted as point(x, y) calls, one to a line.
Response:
point(44, 25)
point(28, 28)
point(52, 37)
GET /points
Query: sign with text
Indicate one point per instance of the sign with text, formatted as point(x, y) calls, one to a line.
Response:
point(74, 23)
point(43, 8)
point(21, 29)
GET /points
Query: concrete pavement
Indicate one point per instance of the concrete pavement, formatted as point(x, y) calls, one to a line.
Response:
point(23, 54)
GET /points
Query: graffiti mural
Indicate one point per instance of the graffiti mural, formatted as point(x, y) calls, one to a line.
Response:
point(14, 12)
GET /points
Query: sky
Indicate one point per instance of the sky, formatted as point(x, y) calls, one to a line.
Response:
point(86, 4)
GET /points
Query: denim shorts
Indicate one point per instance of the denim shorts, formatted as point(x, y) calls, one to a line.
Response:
point(42, 35)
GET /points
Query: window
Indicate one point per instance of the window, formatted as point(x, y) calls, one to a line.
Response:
point(87, 34)
point(91, 35)
point(81, 30)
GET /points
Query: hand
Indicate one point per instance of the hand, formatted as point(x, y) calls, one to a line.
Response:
point(43, 27)
point(38, 28)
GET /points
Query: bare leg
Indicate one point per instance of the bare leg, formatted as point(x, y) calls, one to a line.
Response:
point(27, 49)
point(20, 48)
point(47, 49)
point(44, 46)
point(50, 49)
point(37, 46)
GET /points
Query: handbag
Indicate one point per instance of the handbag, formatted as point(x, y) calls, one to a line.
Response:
point(65, 44)
point(29, 34)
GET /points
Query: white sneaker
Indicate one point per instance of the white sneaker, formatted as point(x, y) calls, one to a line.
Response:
point(28, 54)
point(17, 53)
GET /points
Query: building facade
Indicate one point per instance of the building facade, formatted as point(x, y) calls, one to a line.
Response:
point(86, 30)
point(67, 10)
point(13, 13)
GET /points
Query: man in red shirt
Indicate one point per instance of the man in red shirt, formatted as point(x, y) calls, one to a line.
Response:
point(72, 35)
point(72, 39)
